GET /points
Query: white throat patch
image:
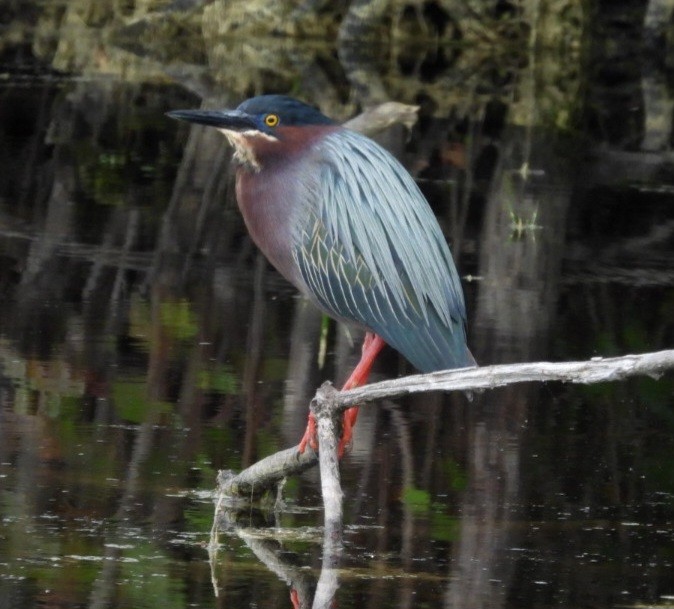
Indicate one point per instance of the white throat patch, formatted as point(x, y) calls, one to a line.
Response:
point(242, 142)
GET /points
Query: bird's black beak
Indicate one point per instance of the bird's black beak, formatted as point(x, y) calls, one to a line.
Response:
point(232, 120)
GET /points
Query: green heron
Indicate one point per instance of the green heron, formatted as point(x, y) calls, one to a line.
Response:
point(342, 220)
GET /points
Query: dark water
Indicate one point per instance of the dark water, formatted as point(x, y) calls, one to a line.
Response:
point(145, 345)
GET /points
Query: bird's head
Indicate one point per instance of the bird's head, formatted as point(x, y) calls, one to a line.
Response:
point(257, 123)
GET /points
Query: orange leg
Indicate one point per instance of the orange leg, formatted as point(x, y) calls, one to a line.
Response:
point(309, 436)
point(372, 345)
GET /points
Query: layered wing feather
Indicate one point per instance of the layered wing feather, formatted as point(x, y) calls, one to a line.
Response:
point(370, 250)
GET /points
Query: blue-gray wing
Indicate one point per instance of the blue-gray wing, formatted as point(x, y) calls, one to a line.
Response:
point(370, 250)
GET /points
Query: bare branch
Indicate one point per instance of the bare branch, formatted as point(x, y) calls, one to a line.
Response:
point(266, 474)
point(596, 370)
point(263, 476)
point(327, 421)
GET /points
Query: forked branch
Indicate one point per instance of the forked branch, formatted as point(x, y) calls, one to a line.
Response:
point(266, 474)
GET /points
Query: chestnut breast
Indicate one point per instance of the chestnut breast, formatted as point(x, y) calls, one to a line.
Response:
point(275, 194)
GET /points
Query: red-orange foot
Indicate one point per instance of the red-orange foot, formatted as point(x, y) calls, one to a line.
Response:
point(372, 345)
point(309, 436)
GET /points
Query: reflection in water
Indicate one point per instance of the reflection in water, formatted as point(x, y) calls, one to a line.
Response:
point(247, 525)
point(519, 267)
point(144, 346)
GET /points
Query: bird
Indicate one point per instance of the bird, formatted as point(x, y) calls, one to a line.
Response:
point(341, 219)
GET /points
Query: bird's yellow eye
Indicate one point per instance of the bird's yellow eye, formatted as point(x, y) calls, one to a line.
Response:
point(271, 120)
